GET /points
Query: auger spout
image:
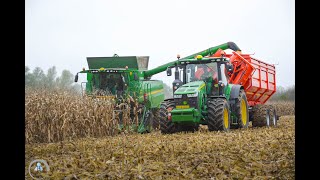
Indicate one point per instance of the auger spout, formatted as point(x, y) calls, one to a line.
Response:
point(209, 51)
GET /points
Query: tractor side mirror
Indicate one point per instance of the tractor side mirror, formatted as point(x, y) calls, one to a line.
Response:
point(135, 77)
point(169, 71)
point(76, 78)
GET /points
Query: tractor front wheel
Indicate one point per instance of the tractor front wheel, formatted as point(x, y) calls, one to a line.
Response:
point(166, 125)
point(218, 115)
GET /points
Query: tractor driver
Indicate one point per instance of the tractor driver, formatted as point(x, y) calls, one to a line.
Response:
point(204, 72)
point(208, 75)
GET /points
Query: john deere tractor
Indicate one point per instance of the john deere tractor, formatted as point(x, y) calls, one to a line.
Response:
point(221, 90)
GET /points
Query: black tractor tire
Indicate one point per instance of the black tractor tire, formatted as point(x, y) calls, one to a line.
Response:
point(261, 115)
point(241, 111)
point(166, 126)
point(273, 117)
point(156, 119)
point(218, 115)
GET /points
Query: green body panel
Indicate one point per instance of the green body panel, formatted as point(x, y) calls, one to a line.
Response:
point(133, 62)
point(190, 115)
point(154, 91)
point(194, 114)
point(190, 88)
point(227, 91)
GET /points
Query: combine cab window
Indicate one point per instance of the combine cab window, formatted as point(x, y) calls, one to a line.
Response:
point(109, 83)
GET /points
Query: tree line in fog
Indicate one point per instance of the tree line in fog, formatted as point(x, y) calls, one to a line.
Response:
point(37, 78)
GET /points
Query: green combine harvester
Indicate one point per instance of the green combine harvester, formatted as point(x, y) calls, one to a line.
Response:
point(118, 78)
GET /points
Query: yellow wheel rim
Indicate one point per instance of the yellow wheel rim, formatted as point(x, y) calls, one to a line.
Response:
point(225, 118)
point(243, 112)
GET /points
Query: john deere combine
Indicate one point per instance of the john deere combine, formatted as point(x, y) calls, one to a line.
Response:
point(123, 78)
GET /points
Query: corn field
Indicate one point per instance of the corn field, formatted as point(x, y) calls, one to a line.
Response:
point(79, 138)
point(52, 116)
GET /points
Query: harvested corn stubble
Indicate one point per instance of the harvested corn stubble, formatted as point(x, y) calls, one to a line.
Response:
point(79, 141)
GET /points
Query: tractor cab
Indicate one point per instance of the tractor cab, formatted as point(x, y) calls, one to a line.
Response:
point(213, 72)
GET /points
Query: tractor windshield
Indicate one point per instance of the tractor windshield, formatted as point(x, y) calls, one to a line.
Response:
point(201, 72)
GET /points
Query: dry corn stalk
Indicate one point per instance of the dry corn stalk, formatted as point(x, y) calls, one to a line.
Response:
point(52, 116)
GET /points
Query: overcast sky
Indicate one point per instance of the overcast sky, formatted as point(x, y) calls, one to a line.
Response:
point(63, 33)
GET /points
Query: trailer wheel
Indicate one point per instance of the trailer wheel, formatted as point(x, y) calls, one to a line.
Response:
point(218, 115)
point(166, 126)
point(261, 116)
point(242, 111)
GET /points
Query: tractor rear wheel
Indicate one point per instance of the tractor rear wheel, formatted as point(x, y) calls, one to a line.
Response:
point(261, 116)
point(242, 110)
point(218, 115)
point(166, 125)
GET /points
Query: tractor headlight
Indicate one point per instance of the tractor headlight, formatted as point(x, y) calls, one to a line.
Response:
point(177, 96)
point(193, 95)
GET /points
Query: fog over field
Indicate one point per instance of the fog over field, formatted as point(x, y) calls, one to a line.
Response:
point(63, 33)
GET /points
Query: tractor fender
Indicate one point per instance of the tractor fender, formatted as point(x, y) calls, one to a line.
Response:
point(235, 91)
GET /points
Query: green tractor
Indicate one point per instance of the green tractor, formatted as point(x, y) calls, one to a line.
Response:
point(204, 99)
point(221, 91)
